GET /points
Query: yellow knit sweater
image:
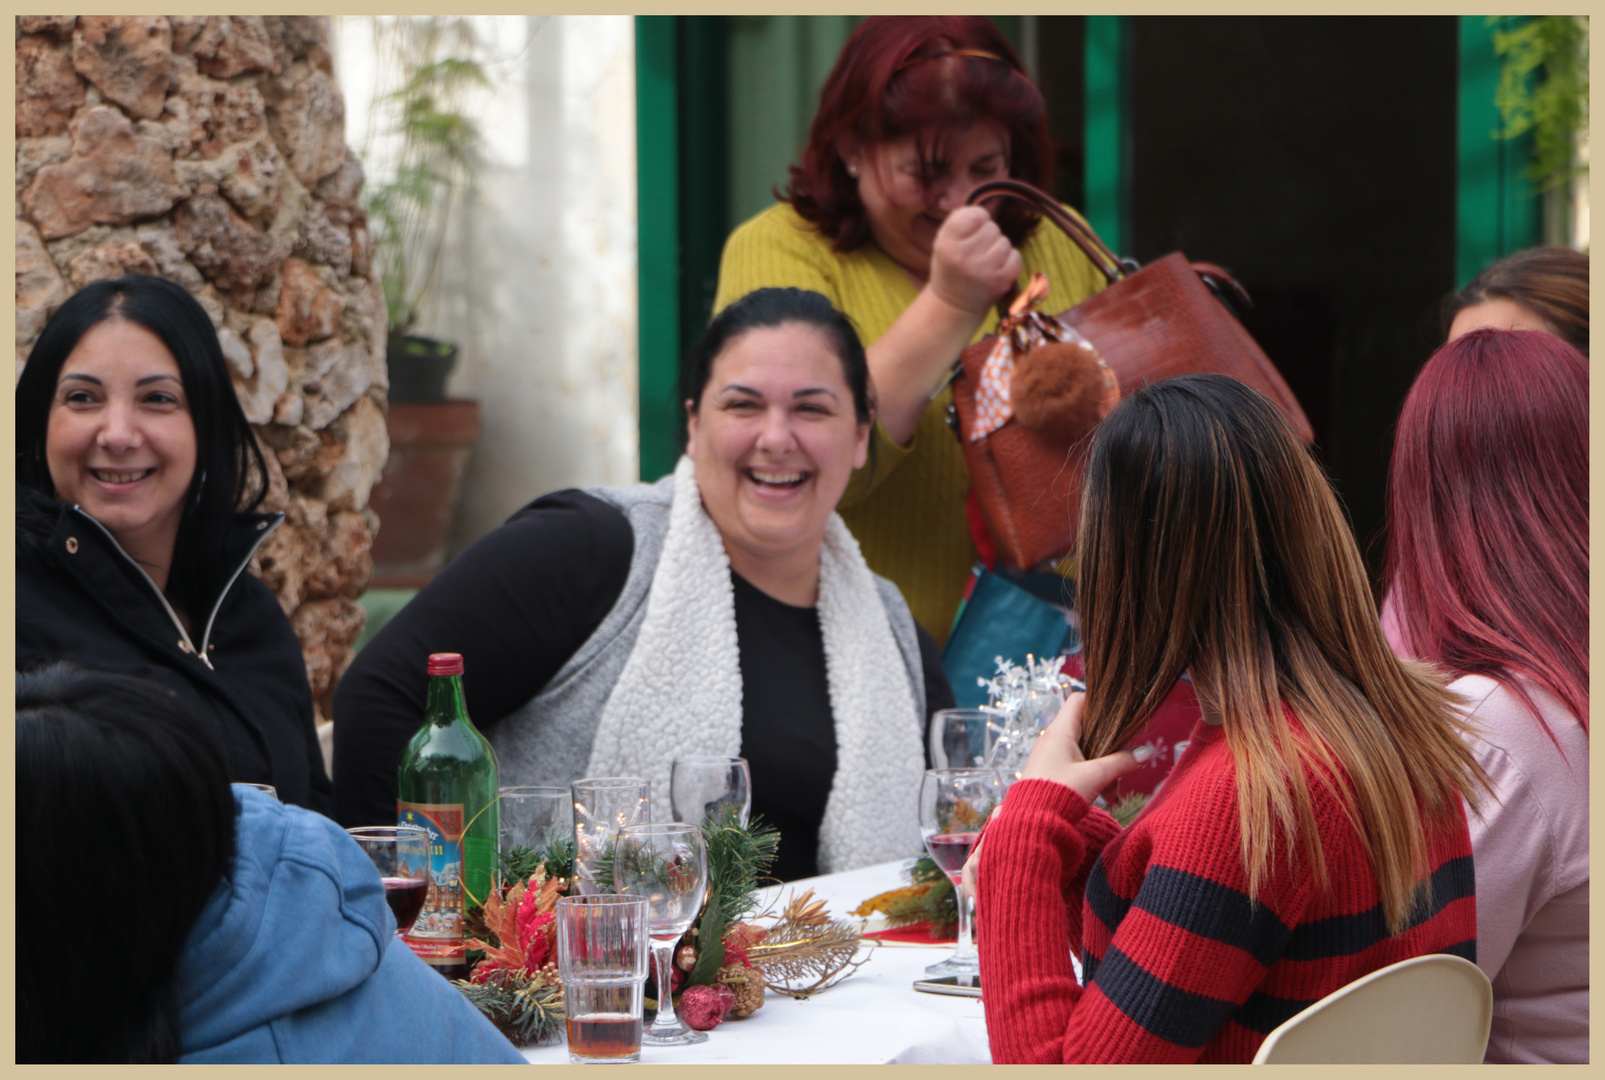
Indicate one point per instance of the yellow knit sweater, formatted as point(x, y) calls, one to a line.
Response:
point(907, 506)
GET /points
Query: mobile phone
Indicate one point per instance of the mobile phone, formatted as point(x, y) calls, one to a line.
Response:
point(958, 985)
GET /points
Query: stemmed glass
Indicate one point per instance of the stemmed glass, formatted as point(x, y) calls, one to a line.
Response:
point(401, 855)
point(953, 805)
point(960, 738)
point(701, 787)
point(668, 865)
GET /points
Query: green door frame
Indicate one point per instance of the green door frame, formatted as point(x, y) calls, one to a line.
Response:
point(1105, 139)
point(657, 203)
point(1497, 211)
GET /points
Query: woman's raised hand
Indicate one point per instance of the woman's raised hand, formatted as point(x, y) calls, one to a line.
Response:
point(972, 262)
point(1057, 755)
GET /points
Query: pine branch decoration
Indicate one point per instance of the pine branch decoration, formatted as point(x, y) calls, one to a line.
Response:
point(738, 858)
point(556, 859)
point(1128, 808)
point(528, 1012)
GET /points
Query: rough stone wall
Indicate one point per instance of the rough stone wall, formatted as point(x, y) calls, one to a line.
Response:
point(211, 150)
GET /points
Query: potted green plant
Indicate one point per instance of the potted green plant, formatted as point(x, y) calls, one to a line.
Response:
point(425, 157)
point(434, 151)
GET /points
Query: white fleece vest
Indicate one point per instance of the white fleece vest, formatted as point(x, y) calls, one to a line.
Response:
point(680, 690)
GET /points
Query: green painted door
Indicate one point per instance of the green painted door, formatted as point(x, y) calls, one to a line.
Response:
point(1497, 212)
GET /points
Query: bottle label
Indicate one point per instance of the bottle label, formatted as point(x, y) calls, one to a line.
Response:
point(437, 935)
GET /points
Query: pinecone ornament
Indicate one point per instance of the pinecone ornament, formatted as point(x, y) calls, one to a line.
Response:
point(747, 984)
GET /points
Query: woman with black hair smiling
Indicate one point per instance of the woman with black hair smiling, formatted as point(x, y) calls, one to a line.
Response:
point(137, 475)
point(723, 610)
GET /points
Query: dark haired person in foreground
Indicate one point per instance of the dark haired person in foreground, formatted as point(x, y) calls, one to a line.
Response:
point(137, 475)
point(1312, 832)
point(1488, 579)
point(723, 610)
point(164, 916)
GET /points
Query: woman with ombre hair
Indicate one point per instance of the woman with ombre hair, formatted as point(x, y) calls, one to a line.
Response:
point(1487, 577)
point(1314, 829)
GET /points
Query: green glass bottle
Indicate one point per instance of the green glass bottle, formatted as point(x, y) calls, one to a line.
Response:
point(447, 783)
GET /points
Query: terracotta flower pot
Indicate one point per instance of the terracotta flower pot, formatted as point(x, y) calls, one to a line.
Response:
point(416, 496)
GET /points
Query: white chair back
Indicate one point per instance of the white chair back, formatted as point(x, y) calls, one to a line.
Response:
point(1427, 1010)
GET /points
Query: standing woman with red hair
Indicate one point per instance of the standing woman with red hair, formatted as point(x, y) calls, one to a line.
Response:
point(1487, 577)
point(918, 112)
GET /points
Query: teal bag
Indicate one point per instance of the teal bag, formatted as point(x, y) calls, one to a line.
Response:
point(999, 618)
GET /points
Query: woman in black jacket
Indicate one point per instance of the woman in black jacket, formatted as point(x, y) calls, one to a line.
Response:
point(137, 481)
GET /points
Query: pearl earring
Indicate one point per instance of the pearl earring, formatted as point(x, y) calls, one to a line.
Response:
point(852, 170)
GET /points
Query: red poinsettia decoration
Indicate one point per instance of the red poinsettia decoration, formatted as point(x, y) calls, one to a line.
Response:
point(523, 922)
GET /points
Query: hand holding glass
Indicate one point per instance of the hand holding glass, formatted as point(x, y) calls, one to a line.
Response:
point(401, 855)
point(668, 865)
point(953, 805)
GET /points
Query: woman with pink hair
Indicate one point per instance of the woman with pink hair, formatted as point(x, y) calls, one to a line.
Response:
point(1487, 577)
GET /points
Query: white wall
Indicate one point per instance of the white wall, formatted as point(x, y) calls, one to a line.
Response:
point(539, 286)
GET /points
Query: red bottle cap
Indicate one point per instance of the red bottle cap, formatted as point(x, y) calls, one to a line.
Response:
point(445, 663)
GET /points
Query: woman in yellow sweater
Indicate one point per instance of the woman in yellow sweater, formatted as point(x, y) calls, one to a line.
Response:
point(917, 113)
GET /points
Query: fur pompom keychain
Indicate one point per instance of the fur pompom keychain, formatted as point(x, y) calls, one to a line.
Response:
point(1060, 386)
point(1063, 388)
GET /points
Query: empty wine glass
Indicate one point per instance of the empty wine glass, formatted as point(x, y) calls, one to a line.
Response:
point(668, 865)
point(702, 787)
point(960, 738)
point(401, 855)
point(953, 805)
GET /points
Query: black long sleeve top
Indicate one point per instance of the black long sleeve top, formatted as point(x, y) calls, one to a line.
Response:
point(522, 600)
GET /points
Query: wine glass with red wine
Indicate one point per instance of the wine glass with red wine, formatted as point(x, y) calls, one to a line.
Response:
point(953, 805)
point(401, 855)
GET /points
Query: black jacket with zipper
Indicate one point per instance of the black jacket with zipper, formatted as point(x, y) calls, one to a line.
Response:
point(81, 598)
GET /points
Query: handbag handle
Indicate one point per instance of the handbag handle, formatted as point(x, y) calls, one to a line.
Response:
point(1114, 268)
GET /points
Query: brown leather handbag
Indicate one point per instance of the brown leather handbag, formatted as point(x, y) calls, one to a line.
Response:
point(1166, 319)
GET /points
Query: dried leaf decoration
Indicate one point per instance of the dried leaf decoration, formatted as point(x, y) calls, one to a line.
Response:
point(516, 985)
point(807, 951)
point(518, 922)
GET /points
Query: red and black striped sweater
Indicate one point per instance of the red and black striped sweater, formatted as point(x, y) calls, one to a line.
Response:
point(1178, 965)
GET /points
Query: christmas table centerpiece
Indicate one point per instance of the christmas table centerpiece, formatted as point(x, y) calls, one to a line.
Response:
point(722, 965)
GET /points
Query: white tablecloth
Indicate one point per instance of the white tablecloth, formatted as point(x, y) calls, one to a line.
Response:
point(874, 1016)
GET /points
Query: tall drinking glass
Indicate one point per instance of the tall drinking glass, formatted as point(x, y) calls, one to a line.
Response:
point(668, 865)
point(535, 816)
point(401, 855)
point(603, 806)
point(960, 738)
point(701, 787)
point(953, 805)
point(601, 956)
